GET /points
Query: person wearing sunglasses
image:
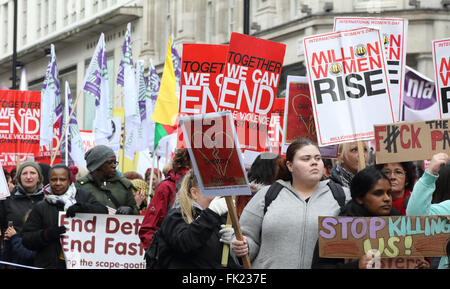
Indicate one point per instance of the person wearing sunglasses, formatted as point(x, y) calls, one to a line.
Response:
point(110, 189)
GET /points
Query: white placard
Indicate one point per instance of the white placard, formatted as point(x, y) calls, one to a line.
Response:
point(100, 241)
point(348, 83)
point(394, 35)
point(441, 62)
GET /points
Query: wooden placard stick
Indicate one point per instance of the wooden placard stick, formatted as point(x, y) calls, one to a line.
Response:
point(361, 158)
point(226, 247)
point(237, 229)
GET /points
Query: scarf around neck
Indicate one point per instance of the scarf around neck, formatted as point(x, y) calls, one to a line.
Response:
point(345, 176)
point(68, 198)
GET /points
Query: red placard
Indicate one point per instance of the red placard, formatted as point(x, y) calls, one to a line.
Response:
point(249, 87)
point(20, 115)
point(299, 112)
point(276, 125)
point(215, 154)
point(201, 78)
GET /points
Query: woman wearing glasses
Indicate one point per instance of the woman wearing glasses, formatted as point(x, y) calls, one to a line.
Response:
point(110, 189)
point(402, 177)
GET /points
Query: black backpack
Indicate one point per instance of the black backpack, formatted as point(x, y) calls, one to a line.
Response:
point(275, 188)
point(157, 256)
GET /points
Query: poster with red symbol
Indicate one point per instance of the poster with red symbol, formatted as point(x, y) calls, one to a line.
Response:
point(215, 153)
point(298, 116)
point(349, 85)
point(201, 78)
point(250, 82)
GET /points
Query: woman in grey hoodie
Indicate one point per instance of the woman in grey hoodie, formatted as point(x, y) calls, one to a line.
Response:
point(284, 237)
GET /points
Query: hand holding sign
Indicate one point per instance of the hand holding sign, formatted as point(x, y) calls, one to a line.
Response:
point(438, 160)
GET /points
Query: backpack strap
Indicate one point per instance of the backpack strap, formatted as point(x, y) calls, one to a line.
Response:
point(271, 195)
point(275, 188)
point(338, 193)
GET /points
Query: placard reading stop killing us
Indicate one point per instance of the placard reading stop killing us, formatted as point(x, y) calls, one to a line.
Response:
point(348, 84)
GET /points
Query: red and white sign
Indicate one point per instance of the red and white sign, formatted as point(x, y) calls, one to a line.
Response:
point(20, 116)
point(100, 241)
point(215, 154)
point(88, 139)
point(249, 86)
point(394, 34)
point(441, 61)
point(348, 84)
point(276, 125)
point(201, 78)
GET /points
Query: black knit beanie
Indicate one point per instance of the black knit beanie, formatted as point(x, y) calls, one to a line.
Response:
point(97, 156)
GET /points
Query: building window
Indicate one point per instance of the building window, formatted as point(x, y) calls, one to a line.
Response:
point(209, 27)
point(39, 23)
point(231, 17)
point(5, 41)
point(46, 14)
point(24, 21)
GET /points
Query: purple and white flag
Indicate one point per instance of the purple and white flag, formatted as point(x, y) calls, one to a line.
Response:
point(153, 84)
point(144, 125)
point(419, 100)
point(96, 84)
point(51, 108)
point(127, 79)
point(75, 144)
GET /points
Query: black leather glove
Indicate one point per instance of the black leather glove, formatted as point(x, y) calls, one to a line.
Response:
point(53, 233)
point(72, 210)
point(124, 210)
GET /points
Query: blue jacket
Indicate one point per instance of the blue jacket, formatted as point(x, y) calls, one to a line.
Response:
point(420, 203)
point(15, 252)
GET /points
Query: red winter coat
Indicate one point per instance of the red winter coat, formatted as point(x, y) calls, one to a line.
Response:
point(399, 204)
point(161, 202)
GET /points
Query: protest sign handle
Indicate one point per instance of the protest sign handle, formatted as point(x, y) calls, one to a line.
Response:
point(226, 247)
point(361, 158)
point(237, 228)
point(65, 129)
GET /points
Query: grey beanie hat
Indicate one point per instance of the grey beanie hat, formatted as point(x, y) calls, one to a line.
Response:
point(30, 164)
point(97, 156)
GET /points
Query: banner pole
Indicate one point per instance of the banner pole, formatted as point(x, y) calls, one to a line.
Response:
point(151, 180)
point(226, 247)
point(361, 159)
point(237, 229)
point(65, 129)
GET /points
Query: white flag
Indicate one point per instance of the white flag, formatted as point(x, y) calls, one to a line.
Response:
point(127, 79)
point(51, 109)
point(144, 130)
point(153, 83)
point(96, 85)
point(75, 143)
point(23, 80)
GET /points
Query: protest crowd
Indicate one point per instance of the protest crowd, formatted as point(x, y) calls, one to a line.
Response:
point(228, 198)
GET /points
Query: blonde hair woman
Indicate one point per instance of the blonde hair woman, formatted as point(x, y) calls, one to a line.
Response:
point(347, 165)
point(192, 229)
